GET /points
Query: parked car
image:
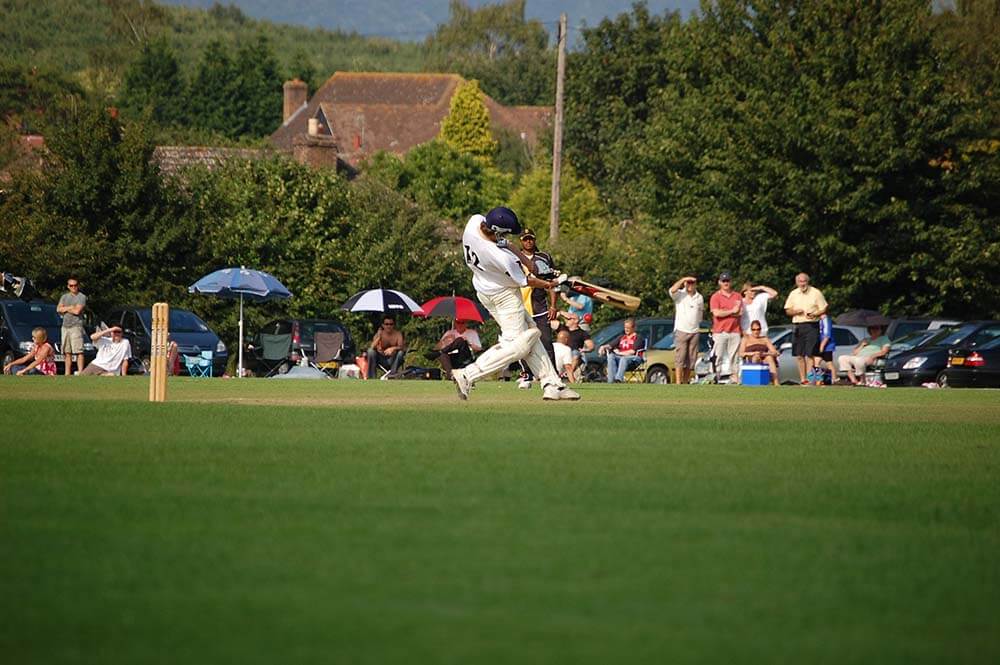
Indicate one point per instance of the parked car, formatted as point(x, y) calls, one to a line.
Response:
point(974, 367)
point(929, 362)
point(191, 334)
point(660, 357)
point(18, 318)
point(303, 333)
point(651, 329)
point(899, 327)
point(845, 337)
point(916, 339)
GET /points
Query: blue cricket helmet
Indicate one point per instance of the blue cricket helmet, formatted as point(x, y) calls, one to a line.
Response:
point(503, 221)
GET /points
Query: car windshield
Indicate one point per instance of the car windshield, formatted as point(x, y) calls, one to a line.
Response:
point(605, 335)
point(665, 343)
point(775, 333)
point(913, 339)
point(952, 337)
point(310, 328)
point(181, 321)
point(33, 314)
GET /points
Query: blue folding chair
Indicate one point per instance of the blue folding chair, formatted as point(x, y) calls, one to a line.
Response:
point(200, 365)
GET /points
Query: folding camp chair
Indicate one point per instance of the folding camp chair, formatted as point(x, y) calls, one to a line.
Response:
point(199, 366)
point(327, 350)
point(385, 368)
point(637, 372)
point(275, 350)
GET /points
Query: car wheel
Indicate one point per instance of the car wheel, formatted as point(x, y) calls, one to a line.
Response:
point(658, 374)
point(942, 379)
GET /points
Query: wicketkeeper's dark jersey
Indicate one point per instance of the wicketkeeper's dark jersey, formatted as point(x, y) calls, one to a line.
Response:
point(544, 265)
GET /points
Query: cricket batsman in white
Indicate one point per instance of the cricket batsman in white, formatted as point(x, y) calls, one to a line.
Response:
point(498, 279)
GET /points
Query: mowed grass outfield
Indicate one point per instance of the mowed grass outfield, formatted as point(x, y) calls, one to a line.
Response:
point(347, 522)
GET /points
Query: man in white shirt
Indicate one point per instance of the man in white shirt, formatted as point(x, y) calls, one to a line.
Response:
point(690, 308)
point(755, 299)
point(112, 354)
point(498, 279)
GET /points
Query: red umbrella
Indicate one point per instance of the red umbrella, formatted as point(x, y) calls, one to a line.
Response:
point(453, 307)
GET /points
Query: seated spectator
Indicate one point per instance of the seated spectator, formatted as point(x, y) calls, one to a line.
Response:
point(387, 348)
point(623, 352)
point(579, 343)
point(564, 355)
point(41, 359)
point(868, 350)
point(456, 347)
point(757, 348)
point(112, 354)
point(579, 304)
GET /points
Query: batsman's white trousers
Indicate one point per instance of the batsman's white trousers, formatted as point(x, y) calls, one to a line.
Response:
point(516, 328)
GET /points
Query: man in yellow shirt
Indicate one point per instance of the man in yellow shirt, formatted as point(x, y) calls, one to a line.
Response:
point(805, 304)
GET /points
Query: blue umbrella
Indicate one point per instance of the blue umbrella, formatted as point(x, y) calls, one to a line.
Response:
point(241, 283)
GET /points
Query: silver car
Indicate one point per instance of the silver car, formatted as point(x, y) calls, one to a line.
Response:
point(845, 337)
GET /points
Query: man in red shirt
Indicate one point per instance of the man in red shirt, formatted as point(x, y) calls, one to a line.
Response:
point(726, 306)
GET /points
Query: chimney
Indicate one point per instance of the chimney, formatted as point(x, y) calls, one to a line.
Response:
point(296, 94)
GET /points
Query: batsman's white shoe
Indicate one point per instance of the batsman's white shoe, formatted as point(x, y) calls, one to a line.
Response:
point(462, 384)
point(554, 392)
point(524, 384)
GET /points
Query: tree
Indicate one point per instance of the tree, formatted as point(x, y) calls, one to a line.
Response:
point(825, 137)
point(611, 86)
point(213, 90)
point(467, 125)
point(153, 84)
point(257, 93)
point(581, 210)
point(498, 46)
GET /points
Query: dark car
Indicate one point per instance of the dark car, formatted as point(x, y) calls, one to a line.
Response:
point(899, 327)
point(928, 363)
point(18, 318)
point(302, 333)
point(977, 367)
point(191, 334)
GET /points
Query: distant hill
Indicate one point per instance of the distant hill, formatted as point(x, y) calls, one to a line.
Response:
point(413, 21)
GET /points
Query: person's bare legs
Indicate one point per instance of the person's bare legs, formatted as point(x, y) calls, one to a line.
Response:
point(79, 362)
point(801, 362)
point(68, 362)
point(773, 366)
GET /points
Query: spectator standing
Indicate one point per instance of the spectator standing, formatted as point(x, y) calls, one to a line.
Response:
point(458, 344)
point(541, 303)
point(868, 350)
point(41, 358)
point(113, 352)
point(805, 304)
point(726, 305)
point(623, 352)
point(689, 308)
point(388, 348)
point(755, 300)
point(71, 306)
point(581, 305)
point(824, 352)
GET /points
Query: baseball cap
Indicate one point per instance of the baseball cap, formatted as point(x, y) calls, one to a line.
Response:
point(527, 233)
point(725, 277)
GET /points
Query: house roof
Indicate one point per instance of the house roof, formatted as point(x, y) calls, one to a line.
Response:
point(173, 158)
point(368, 112)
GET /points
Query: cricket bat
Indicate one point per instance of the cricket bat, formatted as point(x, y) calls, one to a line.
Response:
point(604, 295)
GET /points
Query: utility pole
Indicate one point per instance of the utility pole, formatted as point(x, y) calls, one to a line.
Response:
point(557, 133)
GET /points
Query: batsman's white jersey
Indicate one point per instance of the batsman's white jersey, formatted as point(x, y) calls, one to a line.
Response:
point(493, 269)
point(498, 278)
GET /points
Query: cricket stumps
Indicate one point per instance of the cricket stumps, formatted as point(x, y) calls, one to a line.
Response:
point(158, 353)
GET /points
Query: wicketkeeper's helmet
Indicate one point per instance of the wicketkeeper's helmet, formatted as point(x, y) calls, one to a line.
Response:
point(503, 221)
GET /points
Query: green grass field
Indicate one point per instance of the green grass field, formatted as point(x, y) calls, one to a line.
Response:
point(347, 522)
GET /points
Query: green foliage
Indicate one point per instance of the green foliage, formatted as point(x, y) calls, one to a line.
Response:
point(581, 211)
point(466, 128)
point(254, 106)
point(98, 209)
point(498, 46)
point(213, 90)
point(153, 84)
point(26, 93)
point(442, 180)
point(611, 84)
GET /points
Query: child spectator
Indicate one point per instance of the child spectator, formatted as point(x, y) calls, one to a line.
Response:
point(825, 352)
point(42, 357)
